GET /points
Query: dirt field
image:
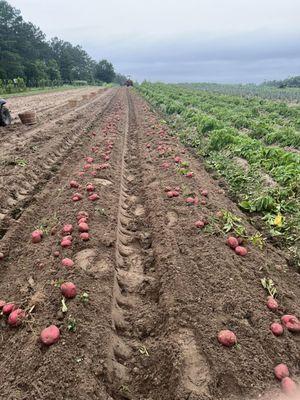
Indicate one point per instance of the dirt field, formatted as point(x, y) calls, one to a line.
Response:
point(159, 289)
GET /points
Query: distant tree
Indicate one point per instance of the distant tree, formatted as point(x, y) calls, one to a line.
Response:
point(104, 71)
point(120, 79)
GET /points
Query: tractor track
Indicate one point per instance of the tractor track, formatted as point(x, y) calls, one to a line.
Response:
point(31, 179)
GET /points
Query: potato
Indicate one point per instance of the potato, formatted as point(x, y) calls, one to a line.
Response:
point(272, 303)
point(85, 236)
point(276, 328)
point(241, 251)
point(67, 262)
point(281, 371)
point(291, 323)
point(50, 335)
point(8, 308)
point(67, 229)
point(15, 317)
point(68, 290)
point(199, 224)
point(232, 242)
point(288, 386)
point(83, 227)
point(94, 197)
point(227, 338)
point(36, 236)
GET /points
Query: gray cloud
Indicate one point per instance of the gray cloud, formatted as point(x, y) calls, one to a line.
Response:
point(171, 40)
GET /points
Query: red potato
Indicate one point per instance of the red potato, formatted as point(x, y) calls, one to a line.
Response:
point(148, 146)
point(291, 322)
point(83, 227)
point(81, 173)
point(66, 243)
point(93, 173)
point(199, 224)
point(90, 187)
point(204, 193)
point(170, 194)
point(241, 251)
point(87, 166)
point(106, 158)
point(8, 308)
point(190, 200)
point(77, 197)
point(16, 317)
point(190, 174)
point(227, 338)
point(94, 197)
point(232, 242)
point(84, 220)
point(276, 328)
point(177, 159)
point(67, 229)
point(175, 193)
point(50, 335)
point(56, 254)
point(67, 262)
point(196, 200)
point(36, 236)
point(74, 184)
point(82, 214)
point(288, 386)
point(2, 303)
point(89, 160)
point(281, 371)
point(85, 236)
point(272, 303)
point(68, 290)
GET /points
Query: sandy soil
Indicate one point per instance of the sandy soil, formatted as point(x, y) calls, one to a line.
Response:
point(159, 289)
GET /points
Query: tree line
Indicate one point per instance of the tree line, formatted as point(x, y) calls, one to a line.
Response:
point(293, 81)
point(27, 56)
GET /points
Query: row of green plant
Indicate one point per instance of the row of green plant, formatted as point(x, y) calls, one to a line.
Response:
point(269, 121)
point(264, 180)
point(263, 91)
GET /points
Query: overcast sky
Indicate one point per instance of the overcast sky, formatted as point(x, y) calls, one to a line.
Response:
point(179, 41)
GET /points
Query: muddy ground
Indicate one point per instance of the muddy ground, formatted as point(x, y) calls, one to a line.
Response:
point(153, 290)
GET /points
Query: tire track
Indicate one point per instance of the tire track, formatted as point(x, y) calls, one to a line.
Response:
point(132, 307)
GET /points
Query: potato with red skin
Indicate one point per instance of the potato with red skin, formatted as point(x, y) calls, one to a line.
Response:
point(288, 386)
point(291, 322)
point(67, 229)
point(272, 304)
point(89, 160)
point(177, 160)
point(190, 200)
point(232, 242)
point(82, 214)
point(90, 187)
point(68, 290)
point(36, 236)
point(77, 197)
point(281, 371)
point(2, 303)
point(204, 193)
point(8, 308)
point(50, 335)
point(227, 338)
point(83, 227)
point(170, 194)
point(56, 254)
point(83, 220)
point(16, 317)
point(67, 262)
point(94, 197)
point(276, 328)
point(190, 174)
point(65, 243)
point(74, 184)
point(241, 251)
point(85, 236)
point(199, 224)
point(175, 193)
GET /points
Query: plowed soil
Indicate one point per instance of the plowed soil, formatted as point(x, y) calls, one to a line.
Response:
point(153, 290)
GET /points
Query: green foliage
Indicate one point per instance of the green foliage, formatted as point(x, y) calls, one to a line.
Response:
point(104, 71)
